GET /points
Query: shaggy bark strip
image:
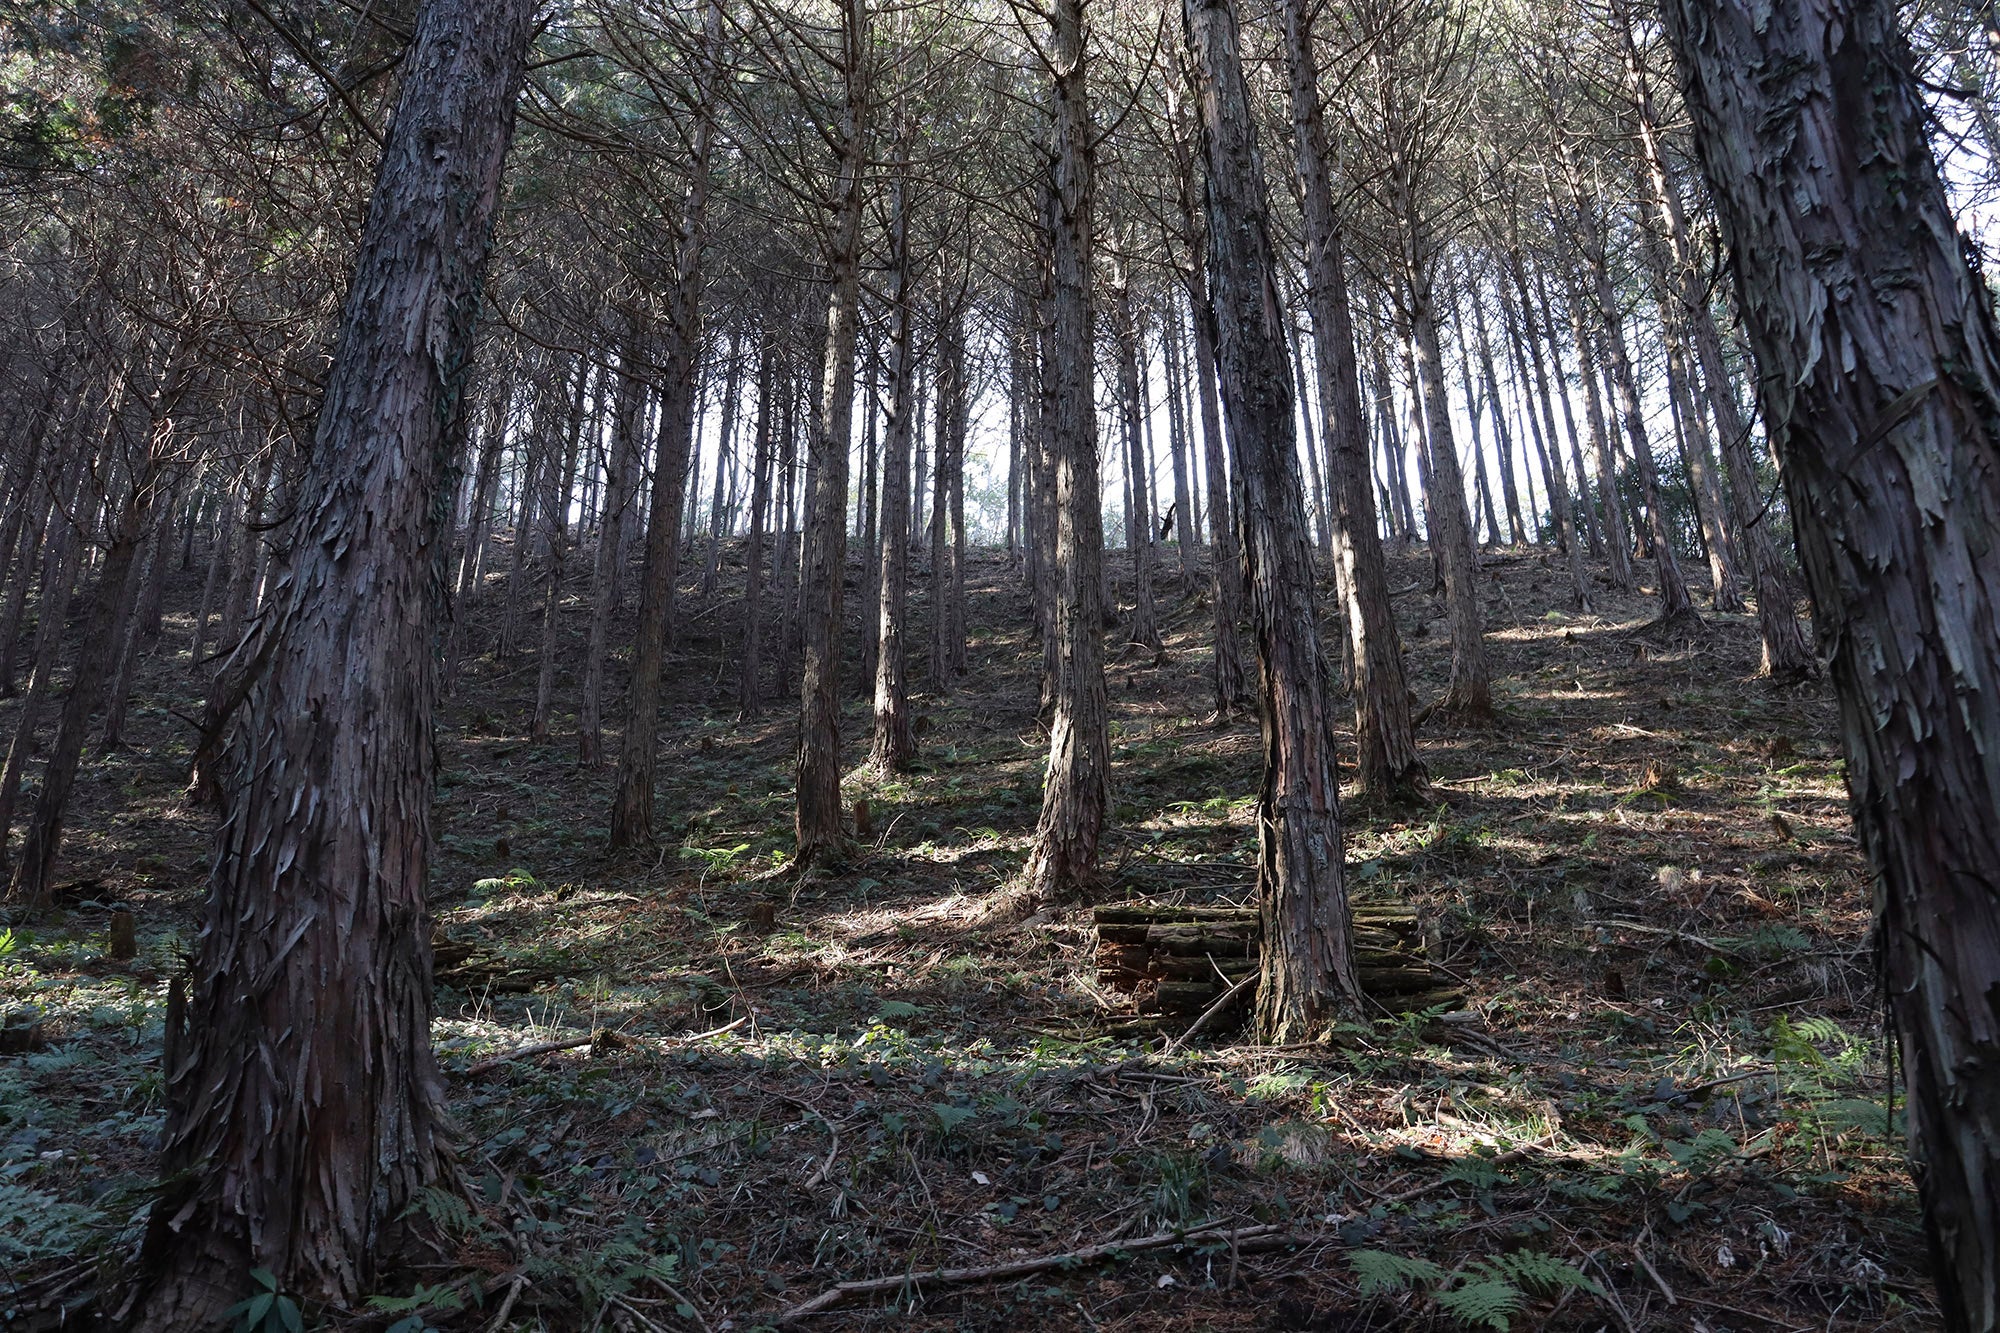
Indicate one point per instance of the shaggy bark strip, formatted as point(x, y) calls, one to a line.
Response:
point(1308, 961)
point(1880, 377)
point(306, 1111)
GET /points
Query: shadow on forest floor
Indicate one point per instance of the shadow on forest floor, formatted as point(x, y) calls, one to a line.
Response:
point(1664, 1104)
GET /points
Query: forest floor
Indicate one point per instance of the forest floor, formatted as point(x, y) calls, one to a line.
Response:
point(1663, 1105)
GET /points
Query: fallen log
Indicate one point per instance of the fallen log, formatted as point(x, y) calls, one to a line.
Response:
point(1178, 961)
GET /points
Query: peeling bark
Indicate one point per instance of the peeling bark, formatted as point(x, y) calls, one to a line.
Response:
point(1879, 365)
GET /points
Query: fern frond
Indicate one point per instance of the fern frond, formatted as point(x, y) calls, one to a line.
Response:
point(1485, 1303)
point(1537, 1271)
point(1382, 1272)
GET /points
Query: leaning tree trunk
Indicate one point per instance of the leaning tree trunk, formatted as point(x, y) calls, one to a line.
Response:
point(1879, 369)
point(1076, 792)
point(1308, 958)
point(305, 1110)
point(1676, 607)
point(1617, 537)
point(638, 758)
point(1389, 766)
point(817, 818)
point(1469, 693)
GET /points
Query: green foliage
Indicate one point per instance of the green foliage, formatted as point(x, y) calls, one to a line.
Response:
point(715, 859)
point(268, 1310)
point(439, 1297)
point(1383, 1273)
point(448, 1212)
point(1482, 1303)
point(34, 1225)
point(1486, 1293)
point(512, 882)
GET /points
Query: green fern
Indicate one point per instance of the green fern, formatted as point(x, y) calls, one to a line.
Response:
point(1482, 1303)
point(1382, 1272)
point(448, 1212)
point(1536, 1271)
point(1487, 1293)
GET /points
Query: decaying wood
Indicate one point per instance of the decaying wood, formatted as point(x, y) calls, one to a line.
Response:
point(1178, 961)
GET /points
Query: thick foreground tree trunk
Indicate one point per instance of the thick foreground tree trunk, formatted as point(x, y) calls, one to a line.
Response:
point(1076, 793)
point(1879, 367)
point(1308, 961)
point(305, 1110)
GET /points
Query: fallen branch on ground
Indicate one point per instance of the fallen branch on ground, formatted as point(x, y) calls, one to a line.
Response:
point(603, 1035)
point(1021, 1267)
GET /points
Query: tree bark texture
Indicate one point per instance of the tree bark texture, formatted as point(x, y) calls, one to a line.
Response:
point(305, 1110)
point(1076, 792)
point(894, 744)
point(1307, 976)
point(1879, 367)
point(1384, 738)
point(818, 814)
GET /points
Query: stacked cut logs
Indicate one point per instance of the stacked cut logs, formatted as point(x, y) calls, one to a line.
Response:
point(1176, 961)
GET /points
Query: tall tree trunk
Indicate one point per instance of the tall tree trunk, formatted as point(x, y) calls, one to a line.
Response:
point(1503, 436)
point(479, 519)
point(1698, 452)
point(627, 416)
point(1879, 370)
point(1386, 742)
point(871, 508)
point(1177, 445)
point(1227, 675)
point(1470, 691)
point(106, 614)
point(1076, 793)
point(1308, 975)
point(824, 570)
point(1043, 444)
point(725, 437)
point(1516, 318)
point(60, 570)
point(1676, 608)
point(1617, 538)
point(638, 753)
point(555, 513)
point(950, 382)
point(306, 1112)
point(749, 680)
point(1145, 628)
point(894, 744)
point(149, 571)
point(1587, 513)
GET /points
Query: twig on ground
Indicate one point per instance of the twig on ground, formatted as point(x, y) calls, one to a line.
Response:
point(577, 1043)
point(1021, 1267)
point(1207, 1015)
